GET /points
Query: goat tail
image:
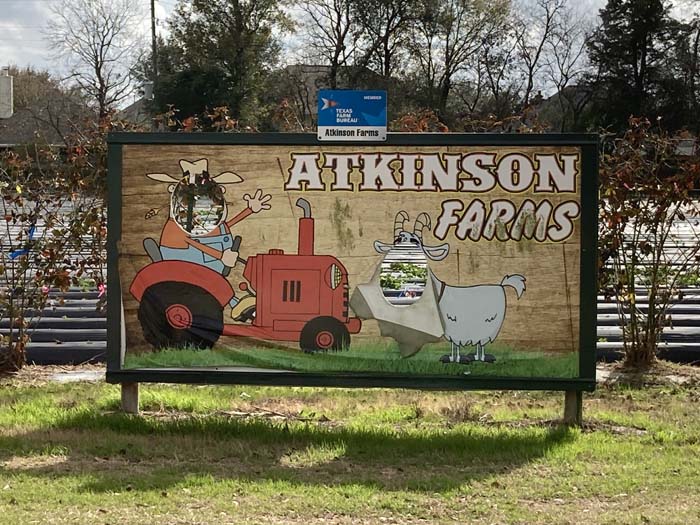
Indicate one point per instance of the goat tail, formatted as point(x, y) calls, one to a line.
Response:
point(517, 282)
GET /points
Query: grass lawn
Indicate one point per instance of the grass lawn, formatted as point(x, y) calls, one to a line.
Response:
point(367, 357)
point(218, 455)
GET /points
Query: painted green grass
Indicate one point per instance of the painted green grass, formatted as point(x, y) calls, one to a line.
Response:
point(255, 455)
point(377, 358)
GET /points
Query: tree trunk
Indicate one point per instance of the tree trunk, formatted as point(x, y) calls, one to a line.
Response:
point(641, 353)
point(444, 95)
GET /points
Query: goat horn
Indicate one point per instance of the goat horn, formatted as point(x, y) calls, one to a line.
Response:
point(400, 219)
point(422, 221)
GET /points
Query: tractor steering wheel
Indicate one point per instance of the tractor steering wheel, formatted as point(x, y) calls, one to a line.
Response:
point(235, 246)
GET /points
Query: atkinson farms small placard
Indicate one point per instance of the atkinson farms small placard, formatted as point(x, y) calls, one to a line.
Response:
point(345, 115)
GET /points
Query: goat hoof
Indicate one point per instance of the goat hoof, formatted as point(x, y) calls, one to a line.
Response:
point(447, 358)
point(466, 359)
point(489, 358)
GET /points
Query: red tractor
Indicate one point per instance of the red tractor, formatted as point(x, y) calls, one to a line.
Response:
point(297, 297)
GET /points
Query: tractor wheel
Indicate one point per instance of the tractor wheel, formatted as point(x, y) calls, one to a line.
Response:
point(177, 315)
point(323, 334)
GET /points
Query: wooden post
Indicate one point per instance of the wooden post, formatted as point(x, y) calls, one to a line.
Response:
point(573, 408)
point(130, 398)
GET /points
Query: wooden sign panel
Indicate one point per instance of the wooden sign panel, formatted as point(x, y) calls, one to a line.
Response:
point(446, 261)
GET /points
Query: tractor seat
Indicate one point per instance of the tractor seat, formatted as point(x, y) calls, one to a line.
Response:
point(152, 249)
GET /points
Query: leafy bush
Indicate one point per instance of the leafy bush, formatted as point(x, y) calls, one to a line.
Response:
point(646, 187)
point(52, 229)
point(398, 274)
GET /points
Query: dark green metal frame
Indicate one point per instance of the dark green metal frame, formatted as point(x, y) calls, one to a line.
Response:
point(221, 375)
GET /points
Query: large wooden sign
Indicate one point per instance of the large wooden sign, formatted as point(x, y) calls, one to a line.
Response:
point(444, 261)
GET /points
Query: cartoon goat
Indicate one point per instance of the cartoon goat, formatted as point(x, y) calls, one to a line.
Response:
point(470, 315)
point(473, 315)
point(403, 238)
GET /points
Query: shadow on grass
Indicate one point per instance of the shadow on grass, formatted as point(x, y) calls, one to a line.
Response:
point(102, 446)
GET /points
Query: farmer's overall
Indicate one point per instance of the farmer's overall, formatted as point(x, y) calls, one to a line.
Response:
point(222, 242)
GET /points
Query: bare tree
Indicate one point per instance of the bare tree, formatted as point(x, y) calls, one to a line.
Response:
point(447, 37)
point(567, 64)
point(328, 26)
point(688, 11)
point(502, 79)
point(297, 86)
point(536, 22)
point(694, 67)
point(55, 110)
point(493, 83)
point(100, 40)
point(384, 26)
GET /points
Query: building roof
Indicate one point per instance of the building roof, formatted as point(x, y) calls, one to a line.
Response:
point(44, 112)
point(138, 113)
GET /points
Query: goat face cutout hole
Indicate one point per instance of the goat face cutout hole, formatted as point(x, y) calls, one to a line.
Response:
point(403, 274)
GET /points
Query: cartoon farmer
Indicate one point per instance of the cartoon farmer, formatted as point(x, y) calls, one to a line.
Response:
point(197, 230)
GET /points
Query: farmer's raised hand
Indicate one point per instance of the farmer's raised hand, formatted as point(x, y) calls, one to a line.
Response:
point(257, 202)
point(229, 258)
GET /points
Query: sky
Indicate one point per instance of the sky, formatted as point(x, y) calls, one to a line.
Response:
point(21, 23)
point(22, 43)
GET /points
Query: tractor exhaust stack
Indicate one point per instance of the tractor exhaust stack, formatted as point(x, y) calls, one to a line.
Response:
point(306, 229)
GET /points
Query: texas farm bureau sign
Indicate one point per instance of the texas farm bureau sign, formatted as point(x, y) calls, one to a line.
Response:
point(261, 259)
point(351, 115)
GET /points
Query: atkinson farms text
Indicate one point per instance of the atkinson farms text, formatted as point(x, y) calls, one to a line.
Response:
point(531, 177)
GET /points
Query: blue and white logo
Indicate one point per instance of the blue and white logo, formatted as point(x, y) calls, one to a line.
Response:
point(351, 115)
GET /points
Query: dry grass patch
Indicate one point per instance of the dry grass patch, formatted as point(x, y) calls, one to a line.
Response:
point(294, 455)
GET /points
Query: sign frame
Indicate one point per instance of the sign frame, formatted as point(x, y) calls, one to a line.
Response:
point(586, 380)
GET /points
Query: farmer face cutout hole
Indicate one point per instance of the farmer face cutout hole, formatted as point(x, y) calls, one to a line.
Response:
point(198, 208)
point(404, 270)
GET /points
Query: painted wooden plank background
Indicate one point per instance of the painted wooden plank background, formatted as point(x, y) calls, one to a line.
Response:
point(348, 223)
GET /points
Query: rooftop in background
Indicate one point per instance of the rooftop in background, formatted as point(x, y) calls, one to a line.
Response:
point(138, 113)
point(44, 111)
